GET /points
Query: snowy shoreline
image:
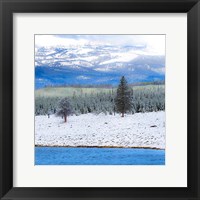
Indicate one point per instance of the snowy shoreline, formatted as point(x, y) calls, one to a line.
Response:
point(118, 147)
point(141, 130)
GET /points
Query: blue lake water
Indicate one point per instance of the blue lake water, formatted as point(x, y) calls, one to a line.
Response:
point(98, 156)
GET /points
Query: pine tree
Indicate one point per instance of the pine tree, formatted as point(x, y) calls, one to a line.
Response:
point(124, 97)
point(64, 108)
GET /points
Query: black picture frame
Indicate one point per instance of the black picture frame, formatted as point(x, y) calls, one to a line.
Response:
point(8, 7)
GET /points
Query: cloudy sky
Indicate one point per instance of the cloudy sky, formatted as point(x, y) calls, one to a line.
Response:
point(150, 44)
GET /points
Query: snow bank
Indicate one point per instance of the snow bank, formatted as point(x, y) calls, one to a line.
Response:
point(145, 130)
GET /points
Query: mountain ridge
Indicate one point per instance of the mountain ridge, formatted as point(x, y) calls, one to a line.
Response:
point(103, 64)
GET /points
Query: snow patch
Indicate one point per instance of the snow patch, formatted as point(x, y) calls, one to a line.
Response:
point(138, 130)
point(121, 57)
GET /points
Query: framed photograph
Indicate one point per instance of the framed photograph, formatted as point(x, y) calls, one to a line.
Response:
point(99, 99)
point(109, 94)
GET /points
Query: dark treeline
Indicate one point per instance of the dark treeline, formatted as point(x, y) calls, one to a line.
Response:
point(142, 100)
point(104, 85)
point(148, 83)
point(81, 86)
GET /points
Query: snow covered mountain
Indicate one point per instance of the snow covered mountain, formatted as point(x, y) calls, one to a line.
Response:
point(96, 64)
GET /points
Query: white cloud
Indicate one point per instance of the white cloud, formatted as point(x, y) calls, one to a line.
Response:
point(149, 44)
point(83, 77)
point(53, 41)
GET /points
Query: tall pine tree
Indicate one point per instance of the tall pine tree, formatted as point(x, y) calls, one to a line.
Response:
point(124, 96)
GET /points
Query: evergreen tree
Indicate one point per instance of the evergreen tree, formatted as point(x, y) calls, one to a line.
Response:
point(64, 108)
point(123, 99)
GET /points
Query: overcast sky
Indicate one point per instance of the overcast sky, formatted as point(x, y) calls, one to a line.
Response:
point(153, 44)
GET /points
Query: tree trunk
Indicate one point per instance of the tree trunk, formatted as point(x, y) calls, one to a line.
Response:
point(65, 118)
point(123, 114)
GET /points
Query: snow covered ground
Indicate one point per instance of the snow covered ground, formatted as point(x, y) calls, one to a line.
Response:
point(145, 130)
